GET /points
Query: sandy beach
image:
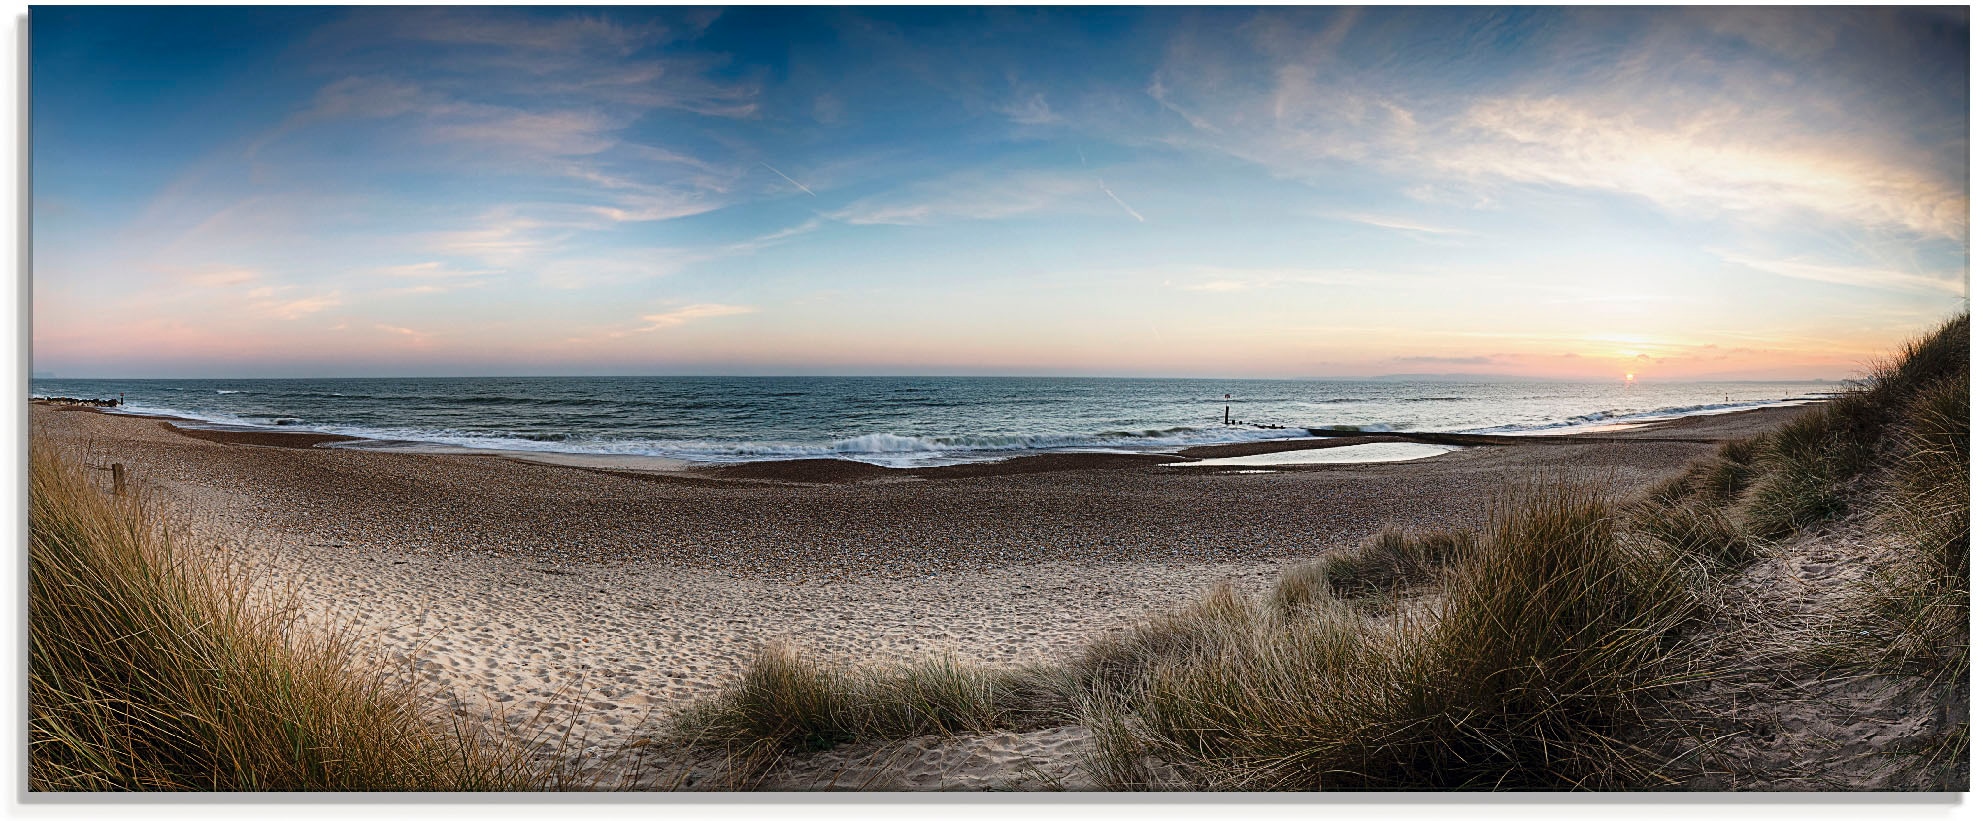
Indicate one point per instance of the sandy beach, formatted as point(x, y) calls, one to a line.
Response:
point(541, 591)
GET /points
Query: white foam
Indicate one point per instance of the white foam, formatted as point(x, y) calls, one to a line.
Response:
point(1608, 420)
point(890, 449)
point(883, 449)
point(1349, 454)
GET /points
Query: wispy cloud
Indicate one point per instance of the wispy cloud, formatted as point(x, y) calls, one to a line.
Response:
point(533, 133)
point(571, 56)
point(759, 243)
point(630, 200)
point(1229, 280)
point(360, 98)
point(433, 277)
point(1118, 200)
point(967, 196)
point(1701, 130)
point(500, 237)
point(1886, 279)
point(289, 309)
point(691, 313)
point(1446, 360)
point(1398, 224)
point(1030, 110)
point(1706, 160)
point(1158, 92)
point(418, 337)
point(1224, 285)
point(795, 183)
point(221, 277)
point(431, 270)
point(576, 34)
point(710, 175)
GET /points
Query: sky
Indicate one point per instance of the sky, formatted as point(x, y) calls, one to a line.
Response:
point(1583, 193)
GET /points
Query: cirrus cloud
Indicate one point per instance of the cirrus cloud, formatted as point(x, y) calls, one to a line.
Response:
point(691, 313)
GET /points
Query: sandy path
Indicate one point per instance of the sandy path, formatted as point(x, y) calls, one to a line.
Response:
point(614, 644)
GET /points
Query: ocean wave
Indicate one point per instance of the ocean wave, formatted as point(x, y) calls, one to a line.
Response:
point(887, 449)
point(323, 395)
point(209, 417)
point(732, 429)
point(895, 449)
point(1373, 427)
point(224, 393)
point(441, 400)
point(1615, 416)
point(533, 401)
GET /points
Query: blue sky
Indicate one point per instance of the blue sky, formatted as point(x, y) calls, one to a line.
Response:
point(1584, 193)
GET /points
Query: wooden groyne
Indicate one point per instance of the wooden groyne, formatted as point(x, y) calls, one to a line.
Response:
point(71, 400)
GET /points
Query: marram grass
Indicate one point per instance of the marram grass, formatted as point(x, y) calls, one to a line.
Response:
point(152, 666)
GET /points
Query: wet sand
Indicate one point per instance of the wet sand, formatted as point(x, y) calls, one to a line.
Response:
point(543, 591)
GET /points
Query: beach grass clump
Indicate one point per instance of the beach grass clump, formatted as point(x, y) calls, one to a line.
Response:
point(1931, 483)
point(1719, 479)
point(1384, 564)
point(1722, 480)
point(1935, 357)
point(1915, 612)
point(1740, 451)
point(1696, 527)
point(1676, 488)
point(1806, 464)
point(1547, 645)
point(1910, 616)
point(788, 703)
point(1552, 644)
point(153, 666)
point(1250, 711)
point(1119, 661)
point(1811, 457)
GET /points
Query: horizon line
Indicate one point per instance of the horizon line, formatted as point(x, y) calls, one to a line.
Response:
point(1431, 377)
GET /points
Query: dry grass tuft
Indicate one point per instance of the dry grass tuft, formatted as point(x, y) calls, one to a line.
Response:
point(151, 667)
point(1536, 666)
point(787, 703)
point(1697, 527)
point(1383, 565)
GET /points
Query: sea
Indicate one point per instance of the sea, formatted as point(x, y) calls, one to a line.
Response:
point(900, 421)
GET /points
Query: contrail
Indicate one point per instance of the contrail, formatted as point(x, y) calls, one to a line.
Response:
point(787, 179)
point(1118, 200)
